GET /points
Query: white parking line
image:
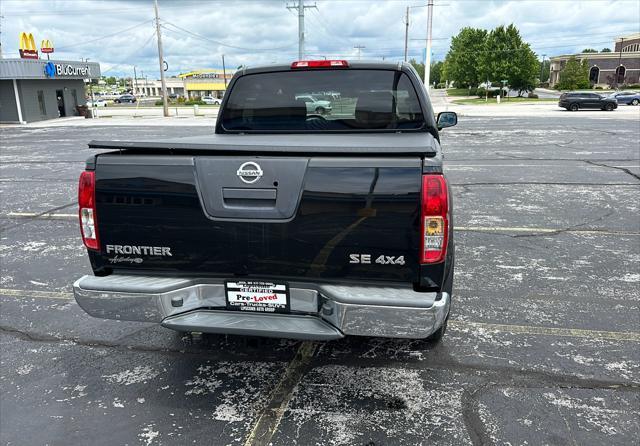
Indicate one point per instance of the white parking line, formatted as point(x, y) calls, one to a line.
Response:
point(45, 216)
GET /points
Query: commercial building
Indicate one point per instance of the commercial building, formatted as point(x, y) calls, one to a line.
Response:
point(198, 83)
point(37, 89)
point(607, 70)
point(146, 87)
point(211, 82)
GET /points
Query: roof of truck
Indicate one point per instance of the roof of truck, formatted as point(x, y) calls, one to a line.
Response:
point(357, 64)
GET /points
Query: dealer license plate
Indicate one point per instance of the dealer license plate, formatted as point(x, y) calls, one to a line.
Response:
point(260, 297)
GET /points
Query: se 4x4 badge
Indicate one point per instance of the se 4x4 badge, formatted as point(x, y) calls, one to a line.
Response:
point(380, 260)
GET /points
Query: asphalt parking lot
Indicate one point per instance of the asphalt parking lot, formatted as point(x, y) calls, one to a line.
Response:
point(542, 347)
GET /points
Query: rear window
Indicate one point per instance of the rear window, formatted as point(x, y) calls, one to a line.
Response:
point(323, 100)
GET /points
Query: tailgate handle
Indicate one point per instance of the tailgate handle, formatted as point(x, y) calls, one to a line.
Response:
point(229, 193)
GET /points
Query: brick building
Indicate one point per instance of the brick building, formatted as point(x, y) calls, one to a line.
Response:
point(607, 70)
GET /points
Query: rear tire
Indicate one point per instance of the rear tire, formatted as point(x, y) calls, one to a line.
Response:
point(574, 107)
point(437, 336)
point(635, 102)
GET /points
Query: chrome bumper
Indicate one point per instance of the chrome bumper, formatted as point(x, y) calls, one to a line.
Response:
point(319, 312)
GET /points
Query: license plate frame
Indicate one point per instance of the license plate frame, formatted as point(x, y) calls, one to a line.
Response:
point(257, 296)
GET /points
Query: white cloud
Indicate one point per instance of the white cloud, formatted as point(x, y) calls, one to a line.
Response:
point(552, 27)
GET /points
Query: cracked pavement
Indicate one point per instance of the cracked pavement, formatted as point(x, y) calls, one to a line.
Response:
point(543, 345)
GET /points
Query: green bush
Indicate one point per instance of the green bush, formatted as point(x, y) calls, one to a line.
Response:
point(181, 100)
point(482, 92)
point(159, 102)
point(532, 95)
point(635, 86)
point(597, 88)
point(194, 102)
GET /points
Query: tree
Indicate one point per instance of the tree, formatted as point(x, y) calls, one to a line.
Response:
point(435, 75)
point(589, 50)
point(507, 57)
point(463, 59)
point(605, 50)
point(575, 75)
point(419, 66)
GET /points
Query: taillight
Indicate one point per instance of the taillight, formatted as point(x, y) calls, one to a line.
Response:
point(87, 212)
point(435, 219)
point(320, 64)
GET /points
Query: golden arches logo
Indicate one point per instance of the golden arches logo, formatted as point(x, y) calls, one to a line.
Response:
point(28, 48)
point(46, 46)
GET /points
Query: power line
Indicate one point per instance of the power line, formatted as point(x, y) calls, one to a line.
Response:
point(104, 37)
point(217, 42)
point(126, 60)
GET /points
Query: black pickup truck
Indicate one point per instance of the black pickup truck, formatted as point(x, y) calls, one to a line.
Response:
point(284, 222)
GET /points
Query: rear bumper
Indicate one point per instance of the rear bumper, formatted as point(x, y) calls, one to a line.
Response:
point(319, 312)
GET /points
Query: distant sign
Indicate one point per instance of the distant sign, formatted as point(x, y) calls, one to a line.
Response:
point(28, 48)
point(46, 46)
point(52, 69)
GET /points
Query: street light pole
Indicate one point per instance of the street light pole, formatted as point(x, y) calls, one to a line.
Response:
point(427, 62)
point(542, 67)
point(224, 74)
point(406, 35)
point(165, 103)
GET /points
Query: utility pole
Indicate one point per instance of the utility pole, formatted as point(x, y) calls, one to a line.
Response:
point(406, 35)
point(427, 59)
point(301, 7)
point(135, 81)
point(359, 47)
point(2, 17)
point(224, 74)
point(165, 104)
point(619, 60)
point(542, 67)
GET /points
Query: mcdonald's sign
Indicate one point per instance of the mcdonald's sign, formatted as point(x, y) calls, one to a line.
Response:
point(46, 46)
point(28, 48)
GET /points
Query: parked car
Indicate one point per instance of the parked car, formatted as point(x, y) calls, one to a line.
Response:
point(315, 105)
point(574, 101)
point(626, 97)
point(125, 98)
point(279, 223)
point(210, 100)
point(97, 103)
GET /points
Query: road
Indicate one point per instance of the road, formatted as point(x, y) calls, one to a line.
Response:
point(543, 344)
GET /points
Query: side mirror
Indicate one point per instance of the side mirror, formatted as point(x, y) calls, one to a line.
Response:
point(447, 119)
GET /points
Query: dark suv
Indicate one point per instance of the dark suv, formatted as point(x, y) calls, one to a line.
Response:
point(575, 101)
point(125, 98)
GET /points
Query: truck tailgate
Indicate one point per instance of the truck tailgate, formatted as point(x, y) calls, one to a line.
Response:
point(291, 216)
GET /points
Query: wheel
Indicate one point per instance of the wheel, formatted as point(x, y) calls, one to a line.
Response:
point(574, 107)
point(320, 110)
point(635, 102)
point(608, 107)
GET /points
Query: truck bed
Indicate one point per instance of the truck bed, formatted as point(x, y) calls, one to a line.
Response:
point(411, 143)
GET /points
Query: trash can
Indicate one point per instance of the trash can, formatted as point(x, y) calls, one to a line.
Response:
point(82, 110)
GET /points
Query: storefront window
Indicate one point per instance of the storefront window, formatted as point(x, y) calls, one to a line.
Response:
point(43, 109)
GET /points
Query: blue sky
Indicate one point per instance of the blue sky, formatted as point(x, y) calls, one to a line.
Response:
point(120, 33)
